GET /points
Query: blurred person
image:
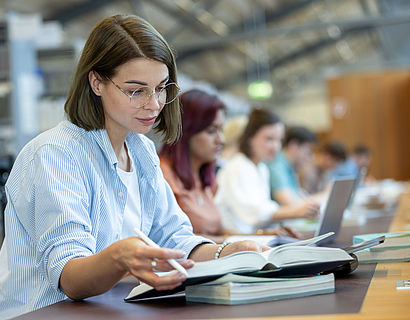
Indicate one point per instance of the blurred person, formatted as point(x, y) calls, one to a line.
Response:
point(189, 164)
point(297, 151)
point(243, 195)
point(356, 165)
point(316, 178)
point(77, 191)
point(232, 130)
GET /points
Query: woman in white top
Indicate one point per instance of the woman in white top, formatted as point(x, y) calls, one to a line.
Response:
point(243, 196)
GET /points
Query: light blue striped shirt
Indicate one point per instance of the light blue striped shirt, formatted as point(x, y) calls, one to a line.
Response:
point(66, 200)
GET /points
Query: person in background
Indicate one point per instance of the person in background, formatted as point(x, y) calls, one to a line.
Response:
point(189, 164)
point(316, 178)
point(232, 131)
point(357, 164)
point(297, 150)
point(76, 192)
point(243, 196)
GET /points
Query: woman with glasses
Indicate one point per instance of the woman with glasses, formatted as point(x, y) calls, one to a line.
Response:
point(243, 195)
point(77, 192)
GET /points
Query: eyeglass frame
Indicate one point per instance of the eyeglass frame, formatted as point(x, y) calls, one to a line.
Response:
point(153, 92)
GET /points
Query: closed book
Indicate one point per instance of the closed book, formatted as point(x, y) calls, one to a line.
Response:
point(392, 241)
point(239, 289)
point(395, 248)
point(393, 255)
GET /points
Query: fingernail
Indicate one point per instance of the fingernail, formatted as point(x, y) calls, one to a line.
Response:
point(181, 277)
point(190, 263)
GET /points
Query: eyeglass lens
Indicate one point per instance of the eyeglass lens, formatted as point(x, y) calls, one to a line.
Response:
point(167, 94)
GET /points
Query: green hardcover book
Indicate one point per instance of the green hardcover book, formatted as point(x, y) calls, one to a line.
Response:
point(396, 247)
point(392, 241)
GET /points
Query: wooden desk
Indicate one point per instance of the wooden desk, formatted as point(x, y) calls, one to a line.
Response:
point(369, 293)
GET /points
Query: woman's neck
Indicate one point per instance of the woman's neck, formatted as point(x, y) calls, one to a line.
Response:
point(118, 144)
point(255, 160)
point(196, 166)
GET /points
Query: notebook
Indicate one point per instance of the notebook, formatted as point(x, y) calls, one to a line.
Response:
point(339, 198)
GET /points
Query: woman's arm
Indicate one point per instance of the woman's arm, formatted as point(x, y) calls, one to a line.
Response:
point(308, 209)
point(207, 251)
point(89, 276)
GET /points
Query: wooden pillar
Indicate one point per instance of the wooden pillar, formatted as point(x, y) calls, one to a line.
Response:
point(374, 109)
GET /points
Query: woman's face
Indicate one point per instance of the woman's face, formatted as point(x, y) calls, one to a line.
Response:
point(267, 142)
point(205, 145)
point(122, 117)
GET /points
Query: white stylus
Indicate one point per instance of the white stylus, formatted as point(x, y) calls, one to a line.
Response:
point(152, 244)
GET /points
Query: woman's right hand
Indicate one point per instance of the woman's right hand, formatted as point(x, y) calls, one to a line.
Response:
point(137, 258)
point(309, 209)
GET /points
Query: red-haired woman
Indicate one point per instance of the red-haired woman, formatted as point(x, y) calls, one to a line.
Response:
point(189, 164)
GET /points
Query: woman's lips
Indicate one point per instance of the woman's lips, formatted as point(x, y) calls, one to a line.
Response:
point(147, 121)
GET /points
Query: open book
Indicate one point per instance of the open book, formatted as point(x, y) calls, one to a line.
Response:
point(285, 260)
point(238, 289)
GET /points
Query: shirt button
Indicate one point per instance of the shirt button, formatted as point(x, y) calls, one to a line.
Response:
point(120, 194)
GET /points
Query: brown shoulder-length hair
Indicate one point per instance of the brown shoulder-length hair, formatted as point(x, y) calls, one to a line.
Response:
point(113, 42)
point(257, 119)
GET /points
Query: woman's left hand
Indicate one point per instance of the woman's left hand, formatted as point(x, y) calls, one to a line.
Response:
point(245, 245)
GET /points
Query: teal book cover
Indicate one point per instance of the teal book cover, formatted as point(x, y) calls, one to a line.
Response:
point(393, 240)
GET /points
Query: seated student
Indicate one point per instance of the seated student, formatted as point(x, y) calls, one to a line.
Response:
point(355, 165)
point(189, 164)
point(232, 131)
point(316, 178)
point(76, 192)
point(297, 150)
point(243, 195)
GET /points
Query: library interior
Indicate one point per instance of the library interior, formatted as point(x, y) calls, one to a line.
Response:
point(204, 159)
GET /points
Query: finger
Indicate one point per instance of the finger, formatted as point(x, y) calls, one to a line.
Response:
point(170, 281)
point(160, 253)
point(163, 265)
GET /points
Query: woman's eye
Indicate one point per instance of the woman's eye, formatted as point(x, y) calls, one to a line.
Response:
point(137, 92)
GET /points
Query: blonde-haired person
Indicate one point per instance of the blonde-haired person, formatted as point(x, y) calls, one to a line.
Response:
point(232, 130)
point(76, 192)
point(243, 196)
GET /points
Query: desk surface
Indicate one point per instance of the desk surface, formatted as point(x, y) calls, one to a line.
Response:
point(368, 293)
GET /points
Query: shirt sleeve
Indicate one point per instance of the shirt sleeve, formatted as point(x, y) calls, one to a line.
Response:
point(61, 212)
point(278, 178)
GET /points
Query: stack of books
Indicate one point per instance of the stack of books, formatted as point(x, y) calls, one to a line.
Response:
point(396, 247)
point(289, 270)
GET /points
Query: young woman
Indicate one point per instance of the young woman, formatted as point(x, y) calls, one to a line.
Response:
point(189, 164)
point(76, 192)
point(243, 195)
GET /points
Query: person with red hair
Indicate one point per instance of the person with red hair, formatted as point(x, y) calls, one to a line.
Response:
point(189, 164)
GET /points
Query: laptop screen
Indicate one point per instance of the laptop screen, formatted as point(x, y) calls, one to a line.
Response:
point(338, 200)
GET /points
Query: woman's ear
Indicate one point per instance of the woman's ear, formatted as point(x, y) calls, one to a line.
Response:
point(95, 82)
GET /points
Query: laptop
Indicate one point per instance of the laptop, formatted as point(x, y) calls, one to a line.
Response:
point(339, 198)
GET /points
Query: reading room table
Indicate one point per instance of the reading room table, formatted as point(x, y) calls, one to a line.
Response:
point(368, 293)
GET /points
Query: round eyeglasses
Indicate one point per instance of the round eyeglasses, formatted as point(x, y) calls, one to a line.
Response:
point(142, 95)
